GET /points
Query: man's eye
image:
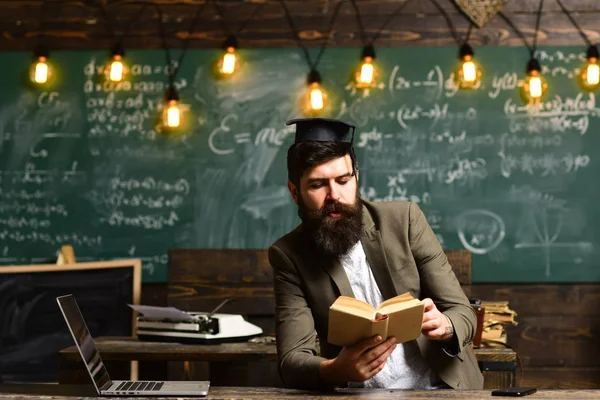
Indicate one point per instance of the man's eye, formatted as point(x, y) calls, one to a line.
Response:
point(344, 181)
point(316, 185)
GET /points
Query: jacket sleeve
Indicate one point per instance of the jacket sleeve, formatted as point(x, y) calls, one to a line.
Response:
point(298, 362)
point(439, 282)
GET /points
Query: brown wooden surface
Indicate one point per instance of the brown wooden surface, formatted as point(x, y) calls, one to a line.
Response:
point(80, 25)
point(235, 393)
point(228, 364)
point(125, 348)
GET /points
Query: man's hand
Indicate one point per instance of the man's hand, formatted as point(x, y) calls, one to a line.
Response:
point(359, 362)
point(436, 326)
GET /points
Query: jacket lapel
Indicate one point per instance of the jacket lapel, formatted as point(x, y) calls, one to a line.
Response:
point(374, 250)
point(336, 271)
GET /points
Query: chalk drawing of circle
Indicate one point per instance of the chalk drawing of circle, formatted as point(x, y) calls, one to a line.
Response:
point(483, 224)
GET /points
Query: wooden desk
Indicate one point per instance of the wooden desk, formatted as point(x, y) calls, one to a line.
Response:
point(231, 363)
point(72, 392)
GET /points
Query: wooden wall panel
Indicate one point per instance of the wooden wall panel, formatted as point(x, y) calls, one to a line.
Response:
point(80, 25)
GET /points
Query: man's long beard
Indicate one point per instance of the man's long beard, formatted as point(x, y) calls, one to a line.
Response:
point(332, 237)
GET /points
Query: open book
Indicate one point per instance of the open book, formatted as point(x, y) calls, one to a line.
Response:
point(351, 320)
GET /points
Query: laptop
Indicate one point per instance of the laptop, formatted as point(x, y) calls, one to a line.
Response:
point(95, 367)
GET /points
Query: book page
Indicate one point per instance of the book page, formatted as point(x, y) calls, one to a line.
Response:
point(398, 299)
point(398, 306)
point(353, 306)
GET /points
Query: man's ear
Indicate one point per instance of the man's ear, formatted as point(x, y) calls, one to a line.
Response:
point(293, 191)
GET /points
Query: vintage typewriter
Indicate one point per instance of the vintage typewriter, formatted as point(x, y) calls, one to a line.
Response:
point(178, 326)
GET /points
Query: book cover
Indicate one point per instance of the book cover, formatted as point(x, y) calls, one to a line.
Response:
point(351, 320)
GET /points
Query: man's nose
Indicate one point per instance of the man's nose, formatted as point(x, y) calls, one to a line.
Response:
point(334, 194)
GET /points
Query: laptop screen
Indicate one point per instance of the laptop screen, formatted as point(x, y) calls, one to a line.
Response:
point(83, 340)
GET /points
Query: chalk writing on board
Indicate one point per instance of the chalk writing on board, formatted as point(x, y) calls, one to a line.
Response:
point(480, 231)
point(86, 164)
point(546, 224)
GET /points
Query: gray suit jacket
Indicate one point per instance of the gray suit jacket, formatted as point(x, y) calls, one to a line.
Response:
point(405, 256)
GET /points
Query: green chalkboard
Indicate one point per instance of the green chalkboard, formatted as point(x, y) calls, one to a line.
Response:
point(82, 164)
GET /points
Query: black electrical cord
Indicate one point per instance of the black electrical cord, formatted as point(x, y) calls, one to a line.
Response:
point(387, 21)
point(312, 65)
point(452, 27)
point(568, 13)
point(517, 31)
point(40, 23)
point(537, 28)
point(186, 41)
point(361, 27)
point(448, 21)
point(222, 21)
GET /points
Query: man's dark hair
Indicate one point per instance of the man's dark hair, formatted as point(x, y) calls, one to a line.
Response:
point(308, 154)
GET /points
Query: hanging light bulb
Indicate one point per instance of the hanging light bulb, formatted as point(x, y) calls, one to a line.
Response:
point(228, 63)
point(535, 84)
point(116, 69)
point(39, 71)
point(316, 98)
point(590, 74)
point(468, 74)
point(171, 117)
point(366, 73)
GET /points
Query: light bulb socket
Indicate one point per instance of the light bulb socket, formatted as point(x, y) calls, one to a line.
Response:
point(313, 77)
point(118, 50)
point(41, 51)
point(368, 51)
point(171, 94)
point(465, 50)
point(592, 52)
point(231, 41)
point(533, 65)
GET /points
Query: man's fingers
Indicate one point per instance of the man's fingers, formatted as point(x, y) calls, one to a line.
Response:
point(381, 359)
point(429, 305)
point(430, 325)
point(367, 343)
point(377, 351)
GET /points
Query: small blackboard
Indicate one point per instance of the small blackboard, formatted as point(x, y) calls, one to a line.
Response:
point(32, 329)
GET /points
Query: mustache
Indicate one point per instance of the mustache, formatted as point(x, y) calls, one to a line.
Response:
point(336, 207)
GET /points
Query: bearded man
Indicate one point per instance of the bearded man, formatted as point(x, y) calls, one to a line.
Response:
point(371, 251)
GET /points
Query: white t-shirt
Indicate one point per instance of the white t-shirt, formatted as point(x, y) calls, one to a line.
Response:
point(405, 368)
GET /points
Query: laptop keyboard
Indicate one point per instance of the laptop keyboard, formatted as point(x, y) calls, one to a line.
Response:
point(140, 386)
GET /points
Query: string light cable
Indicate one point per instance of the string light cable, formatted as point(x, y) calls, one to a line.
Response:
point(534, 85)
point(590, 73)
point(468, 73)
point(316, 98)
point(366, 74)
point(229, 61)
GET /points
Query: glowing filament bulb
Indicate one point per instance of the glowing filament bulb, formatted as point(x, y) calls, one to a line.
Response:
point(535, 87)
point(469, 71)
point(316, 97)
point(173, 114)
point(591, 73)
point(40, 71)
point(229, 61)
point(116, 69)
point(366, 71)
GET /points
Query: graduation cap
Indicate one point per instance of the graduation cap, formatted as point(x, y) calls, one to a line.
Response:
point(323, 130)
